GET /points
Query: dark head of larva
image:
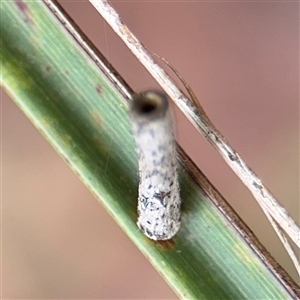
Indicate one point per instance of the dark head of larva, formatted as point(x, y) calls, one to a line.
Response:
point(150, 104)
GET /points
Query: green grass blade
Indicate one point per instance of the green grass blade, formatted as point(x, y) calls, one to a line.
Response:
point(83, 116)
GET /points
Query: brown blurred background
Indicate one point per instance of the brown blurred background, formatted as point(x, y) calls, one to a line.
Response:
point(242, 60)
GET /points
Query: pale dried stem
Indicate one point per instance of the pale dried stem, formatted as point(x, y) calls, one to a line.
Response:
point(199, 119)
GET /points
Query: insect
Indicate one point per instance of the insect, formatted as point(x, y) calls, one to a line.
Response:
point(159, 198)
